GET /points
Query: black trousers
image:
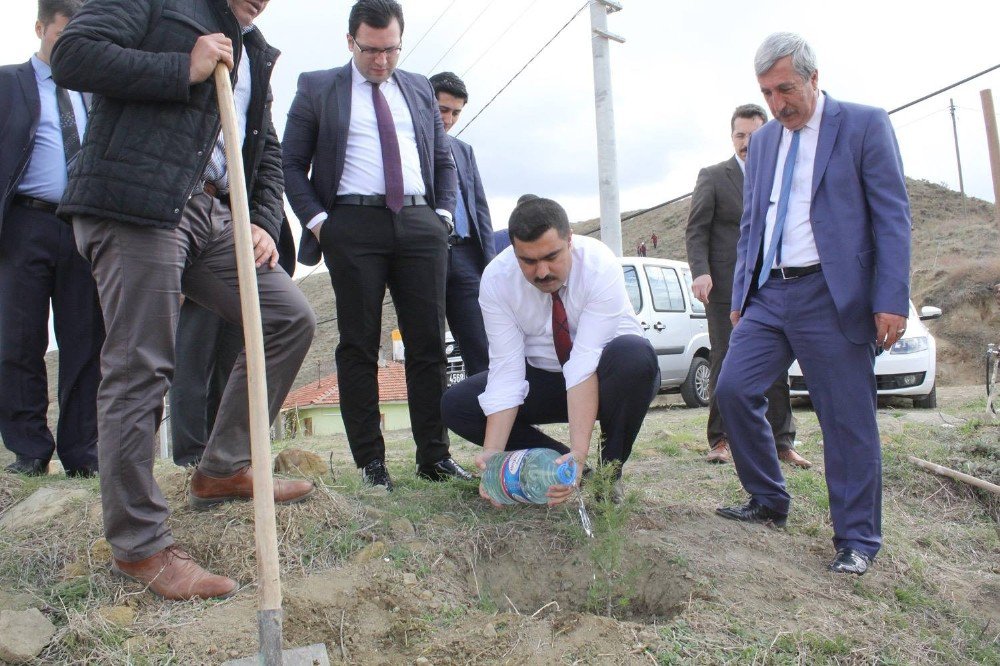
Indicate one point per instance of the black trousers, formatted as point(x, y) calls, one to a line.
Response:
point(465, 318)
point(205, 351)
point(39, 263)
point(628, 378)
point(366, 249)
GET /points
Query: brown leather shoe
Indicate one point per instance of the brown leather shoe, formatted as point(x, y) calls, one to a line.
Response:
point(207, 491)
point(719, 453)
point(793, 458)
point(172, 574)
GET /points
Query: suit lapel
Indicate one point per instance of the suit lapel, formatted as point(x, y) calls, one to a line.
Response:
point(828, 127)
point(735, 174)
point(765, 176)
point(29, 87)
point(420, 129)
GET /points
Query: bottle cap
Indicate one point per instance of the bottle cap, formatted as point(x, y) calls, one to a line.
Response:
point(566, 472)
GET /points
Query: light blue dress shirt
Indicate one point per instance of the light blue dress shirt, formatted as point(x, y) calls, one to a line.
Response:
point(45, 176)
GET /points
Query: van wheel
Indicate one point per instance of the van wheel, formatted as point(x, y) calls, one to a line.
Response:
point(694, 390)
point(928, 401)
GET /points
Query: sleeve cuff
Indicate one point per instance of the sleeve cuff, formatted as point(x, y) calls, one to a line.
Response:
point(316, 221)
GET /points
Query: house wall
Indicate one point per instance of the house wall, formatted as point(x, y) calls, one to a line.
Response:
point(327, 419)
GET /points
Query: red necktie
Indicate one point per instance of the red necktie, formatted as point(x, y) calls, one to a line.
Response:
point(392, 164)
point(560, 329)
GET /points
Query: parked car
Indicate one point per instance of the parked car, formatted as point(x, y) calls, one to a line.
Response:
point(456, 367)
point(907, 369)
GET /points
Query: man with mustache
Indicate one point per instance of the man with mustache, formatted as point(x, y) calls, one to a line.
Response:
point(150, 207)
point(565, 347)
point(712, 231)
point(822, 276)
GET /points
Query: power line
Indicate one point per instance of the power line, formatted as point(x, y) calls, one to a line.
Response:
point(497, 40)
point(427, 32)
point(461, 36)
point(531, 60)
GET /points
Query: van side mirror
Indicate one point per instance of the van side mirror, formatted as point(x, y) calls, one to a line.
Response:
point(929, 312)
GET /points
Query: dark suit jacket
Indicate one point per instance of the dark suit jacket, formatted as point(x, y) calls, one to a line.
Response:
point(316, 138)
point(860, 215)
point(471, 189)
point(19, 111)
point(713, 227)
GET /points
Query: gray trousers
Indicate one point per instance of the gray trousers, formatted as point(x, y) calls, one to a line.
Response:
point(779, 408)
point(140, 273)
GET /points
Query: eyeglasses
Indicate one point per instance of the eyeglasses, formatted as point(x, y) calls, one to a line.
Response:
point(373, 52)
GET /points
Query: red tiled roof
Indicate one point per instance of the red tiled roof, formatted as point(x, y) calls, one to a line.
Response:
point(391, 388)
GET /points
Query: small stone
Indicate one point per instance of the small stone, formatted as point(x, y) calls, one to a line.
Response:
point(100, 552)
point(402, 528)
point(120, 616)
point(426, 595)
point(424, 661)
point(490, 631)
point(15, 601)
point(24, 634)
point(234, 653)
point(42, 506)
point(409, 579)
point(300, 463)
point(372, 551)
point(74, 570)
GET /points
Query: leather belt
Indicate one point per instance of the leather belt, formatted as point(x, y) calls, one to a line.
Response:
point(212, 190)
point(454, 240)
point(377, 200)
point(36, 204)
point(792, 272)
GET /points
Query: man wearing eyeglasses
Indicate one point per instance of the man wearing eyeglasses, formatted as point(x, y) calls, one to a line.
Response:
point(378, 207)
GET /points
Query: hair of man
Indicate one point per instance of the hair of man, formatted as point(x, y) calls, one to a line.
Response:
point(747, 111)
point(374, 13)
point(530, 220)
point(524, 198)
point(47, 9)
point(782, 44)
point(450, 84)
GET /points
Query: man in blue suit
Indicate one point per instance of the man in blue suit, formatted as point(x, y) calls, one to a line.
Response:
point(369, 173)
point(472, 241)
point(43, 127)
point(822, 275)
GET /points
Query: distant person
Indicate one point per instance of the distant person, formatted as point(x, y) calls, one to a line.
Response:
point(472, 240)
point(713, 229)
point(565, 347)
point(43, 126)
point(370, 175)
point(822, 276)
point(654, 238)
point(642, 249)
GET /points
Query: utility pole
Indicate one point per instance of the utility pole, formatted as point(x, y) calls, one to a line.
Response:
point(958, 156)
point(993, 141)
point(607, 155)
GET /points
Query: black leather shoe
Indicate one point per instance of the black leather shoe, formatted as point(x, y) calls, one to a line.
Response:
point(82, 472)
point(443, 470)
point(29, 466)
point(753, 512)
point(849, 560)
point(376, 474)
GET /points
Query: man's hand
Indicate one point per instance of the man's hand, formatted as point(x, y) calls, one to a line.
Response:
point(316, 229)
point(701, 287)
point(734, 317)
point(264, 250)
point(207, 52)
point(889, 328)
point(559, 493)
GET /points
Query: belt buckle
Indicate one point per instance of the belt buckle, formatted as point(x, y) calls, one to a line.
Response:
point(783, 276)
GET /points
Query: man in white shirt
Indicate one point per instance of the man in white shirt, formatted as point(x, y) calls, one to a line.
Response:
point(565, 347)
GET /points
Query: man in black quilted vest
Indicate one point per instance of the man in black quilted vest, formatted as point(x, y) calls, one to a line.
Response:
point(149, 201)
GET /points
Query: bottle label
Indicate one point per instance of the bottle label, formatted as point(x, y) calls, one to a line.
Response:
point(510, 477)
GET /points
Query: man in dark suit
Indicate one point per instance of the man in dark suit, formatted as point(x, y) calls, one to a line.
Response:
point(369, 173)
point(712, 231)
point(472, 241)
point(43, 128)
point(822, 276)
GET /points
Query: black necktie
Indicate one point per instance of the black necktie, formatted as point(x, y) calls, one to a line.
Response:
point(67, 122)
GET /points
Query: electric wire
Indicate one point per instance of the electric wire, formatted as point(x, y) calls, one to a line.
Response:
point(427, 32)
point(497, 40)
point(462, 36)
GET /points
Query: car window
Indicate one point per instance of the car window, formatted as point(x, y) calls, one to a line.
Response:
point(696, 306)
point(665, 288)
point(632, 287)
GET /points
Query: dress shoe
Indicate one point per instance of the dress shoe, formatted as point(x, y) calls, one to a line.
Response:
point(82, 472)
point(442, 470)
point(793, 458)
point(375, 473)
point(719, 453)
point(29, 466)
point(172, 574)
point(206, 491)
point(753, 512)
point(849, 560)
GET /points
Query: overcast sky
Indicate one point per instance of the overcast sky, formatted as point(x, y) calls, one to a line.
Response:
point(684, 67)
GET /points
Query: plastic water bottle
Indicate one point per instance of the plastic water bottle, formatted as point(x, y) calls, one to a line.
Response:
point(525, 476)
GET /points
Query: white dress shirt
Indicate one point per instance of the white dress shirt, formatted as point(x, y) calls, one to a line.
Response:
point(518, 319)
point(798, 245)
point(742, 163)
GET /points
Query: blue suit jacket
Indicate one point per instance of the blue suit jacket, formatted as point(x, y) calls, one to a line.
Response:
point(19, 111)
point(471, 188)
point(860, 215)
point(316, 138)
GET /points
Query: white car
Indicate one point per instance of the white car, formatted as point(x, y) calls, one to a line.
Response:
point(907, 369)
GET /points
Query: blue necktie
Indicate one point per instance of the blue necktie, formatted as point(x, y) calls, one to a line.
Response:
point(779, 222)
point(461, 216)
